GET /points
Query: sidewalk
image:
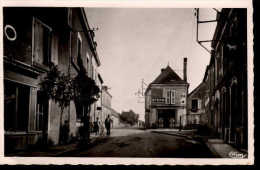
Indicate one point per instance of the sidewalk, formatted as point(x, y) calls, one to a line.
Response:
point(216, 146)
point(224, 150)
point(176, 132)
point(52, 151)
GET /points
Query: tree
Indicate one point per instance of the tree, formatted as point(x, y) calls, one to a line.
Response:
point(86, 92)
point(63, 89)
point(129, 117)
point(58, 87)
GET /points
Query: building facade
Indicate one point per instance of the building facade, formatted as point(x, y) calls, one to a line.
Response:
point(196, 107)
point(166, 100)
point(34, 38)
point(107, 109)
point(226, 78)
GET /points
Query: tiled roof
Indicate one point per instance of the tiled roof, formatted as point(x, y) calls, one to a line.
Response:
point(168, 76)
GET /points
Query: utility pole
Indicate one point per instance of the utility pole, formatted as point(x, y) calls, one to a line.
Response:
point(140, 92)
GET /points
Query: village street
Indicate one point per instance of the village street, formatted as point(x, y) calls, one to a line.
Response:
point(143, 143)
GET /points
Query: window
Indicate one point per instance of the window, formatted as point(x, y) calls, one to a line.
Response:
point(42, 111)
point(194, 104)
point(42, 43)
point(170, 96)
point(16, 110)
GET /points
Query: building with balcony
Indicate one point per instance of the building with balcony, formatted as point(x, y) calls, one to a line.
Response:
point(166, 100)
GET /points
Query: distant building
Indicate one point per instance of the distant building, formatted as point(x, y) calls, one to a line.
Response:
point(166, 100)
point(115, 116)
point(107, 108)
point(196, 106)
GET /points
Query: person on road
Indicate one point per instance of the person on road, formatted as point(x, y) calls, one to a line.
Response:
point(108, 124)
point(96, 127)
point(102, 129)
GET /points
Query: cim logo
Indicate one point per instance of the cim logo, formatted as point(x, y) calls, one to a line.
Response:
point(237, 155)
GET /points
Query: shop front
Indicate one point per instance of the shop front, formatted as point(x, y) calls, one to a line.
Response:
point(166, 118)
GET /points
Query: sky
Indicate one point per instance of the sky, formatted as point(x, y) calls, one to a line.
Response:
point(135, 43)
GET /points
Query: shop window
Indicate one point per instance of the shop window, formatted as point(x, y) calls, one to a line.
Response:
point(42, 43)
point(16, 106)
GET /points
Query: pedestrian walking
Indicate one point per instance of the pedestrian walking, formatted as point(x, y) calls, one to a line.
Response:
point(108, 124)
point(96, 127)
point(102, 129)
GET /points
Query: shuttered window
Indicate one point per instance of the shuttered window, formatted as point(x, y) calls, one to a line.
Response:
point(168, 97)
point(172, 96)
point(16, 110)
point(199, 104)
point(42, 43)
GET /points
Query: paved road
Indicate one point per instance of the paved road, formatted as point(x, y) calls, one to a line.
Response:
point(138, 143)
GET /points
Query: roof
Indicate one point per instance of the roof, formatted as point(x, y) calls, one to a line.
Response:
point(168, 76)
point(89, 37)
point(196, 89)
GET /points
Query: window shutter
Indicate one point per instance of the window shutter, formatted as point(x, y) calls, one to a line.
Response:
point(38, 42)
point(168, 97)
point(54, 50)
point(172, 96)
point(199, 104)
point(32, 119)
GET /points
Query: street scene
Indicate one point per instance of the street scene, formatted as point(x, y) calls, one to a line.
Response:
point(125, 82)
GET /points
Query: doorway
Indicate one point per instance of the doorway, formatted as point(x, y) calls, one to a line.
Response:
point(167, 118)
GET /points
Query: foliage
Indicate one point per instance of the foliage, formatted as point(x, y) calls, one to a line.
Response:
point(129, 117)
point(62, 89)
point(58, 87)
point(85, 89)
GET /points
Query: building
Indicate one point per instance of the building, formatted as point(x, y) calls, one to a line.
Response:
point(97, 106)
point(166, 99)
point(115, 117)
point(33, 38)
point(226, 79)
point(196, 107)
point(106, 103)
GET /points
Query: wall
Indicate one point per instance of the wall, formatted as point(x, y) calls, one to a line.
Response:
point(159, 91)
point(28, 73)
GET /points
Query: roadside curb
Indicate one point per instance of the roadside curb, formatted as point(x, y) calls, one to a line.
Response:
point(212, 150)
point(173, 134)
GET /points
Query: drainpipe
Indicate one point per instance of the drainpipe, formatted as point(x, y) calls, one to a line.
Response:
point(70, 59)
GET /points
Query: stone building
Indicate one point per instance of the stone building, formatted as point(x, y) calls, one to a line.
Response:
point(33, 38)
point(115, 116)
point(226, 78)
point(166, 100)
point(107, 108)
point(196, 106)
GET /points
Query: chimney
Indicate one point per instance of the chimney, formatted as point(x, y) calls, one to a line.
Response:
point(185, 69)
